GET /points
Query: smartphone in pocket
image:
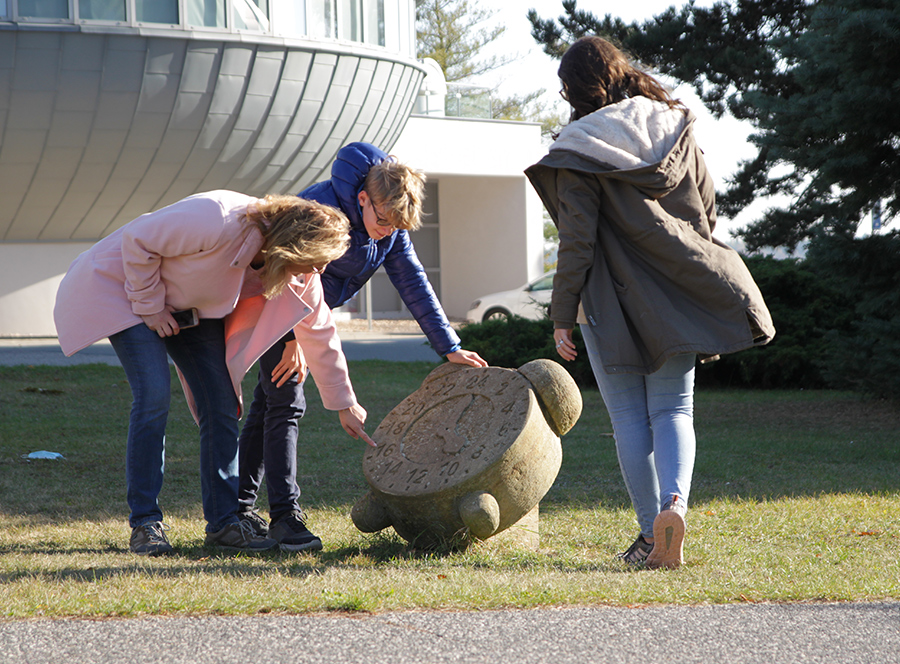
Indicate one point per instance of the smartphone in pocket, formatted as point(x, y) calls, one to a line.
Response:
point(186, 318)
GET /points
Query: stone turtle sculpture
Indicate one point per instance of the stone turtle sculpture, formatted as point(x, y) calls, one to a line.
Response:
point(468, 454)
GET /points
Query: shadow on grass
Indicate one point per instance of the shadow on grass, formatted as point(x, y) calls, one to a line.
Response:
point(382, 549)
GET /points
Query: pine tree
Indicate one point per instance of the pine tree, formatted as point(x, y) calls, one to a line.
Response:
point(817, 80)
point(452, 33)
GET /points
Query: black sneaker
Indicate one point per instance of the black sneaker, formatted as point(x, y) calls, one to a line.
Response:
point(291, 533)
point(239, 536)
point(260, 525)
point(149, 539)
point(637, 553)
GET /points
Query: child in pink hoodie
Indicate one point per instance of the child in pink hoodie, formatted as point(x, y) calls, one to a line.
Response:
point(250, 267)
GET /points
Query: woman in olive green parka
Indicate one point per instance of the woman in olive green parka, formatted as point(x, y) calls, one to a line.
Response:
point(641, 272)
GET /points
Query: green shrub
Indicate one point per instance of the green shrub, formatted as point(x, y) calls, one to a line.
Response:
point(511, 342)
point(863, 351)
point(804, 308)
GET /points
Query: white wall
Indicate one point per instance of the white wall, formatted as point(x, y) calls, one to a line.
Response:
point(485, 243)
point(456, 146)
point(29, 276)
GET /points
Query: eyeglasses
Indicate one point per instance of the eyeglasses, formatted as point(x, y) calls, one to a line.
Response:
point(381, 221)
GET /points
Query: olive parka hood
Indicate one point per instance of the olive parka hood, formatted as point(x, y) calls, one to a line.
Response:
point(628, 189)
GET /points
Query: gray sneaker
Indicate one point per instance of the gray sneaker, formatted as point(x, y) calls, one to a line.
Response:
point(260, 525)
point(637, 553)
point(292, 534)
point(149, 539)
point(239, 536)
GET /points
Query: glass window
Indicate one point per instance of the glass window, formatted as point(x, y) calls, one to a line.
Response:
point(351, 20)
point(3, 9)
point(157, 11)
point(102, 10)
point(322, 18)
point(44, 8)
point(431, 205)
point(289, 17)
point(374, 29)
point(206, 13)
point(426, 240)
point(544, 283)
point(251, 15)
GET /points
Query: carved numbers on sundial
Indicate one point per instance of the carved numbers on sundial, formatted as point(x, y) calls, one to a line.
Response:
point(450, 429)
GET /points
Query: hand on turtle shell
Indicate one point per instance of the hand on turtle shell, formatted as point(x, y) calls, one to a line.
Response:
point(469, 357)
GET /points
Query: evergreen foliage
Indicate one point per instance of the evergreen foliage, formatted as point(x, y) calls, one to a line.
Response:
point(837, 316)
point(817, 80)
point(804, 307)
point(863, 354)
point(452, 33)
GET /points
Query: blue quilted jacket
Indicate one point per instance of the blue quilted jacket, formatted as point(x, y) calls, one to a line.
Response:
point(344, 277)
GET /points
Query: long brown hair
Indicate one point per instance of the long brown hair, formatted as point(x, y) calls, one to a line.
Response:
point(594, 74)
point(297, 232)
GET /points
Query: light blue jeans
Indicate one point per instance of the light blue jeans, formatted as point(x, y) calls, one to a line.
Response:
point(199, 352)
point(653, 424)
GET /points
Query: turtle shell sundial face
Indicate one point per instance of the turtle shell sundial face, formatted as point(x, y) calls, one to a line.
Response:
point(456, 425)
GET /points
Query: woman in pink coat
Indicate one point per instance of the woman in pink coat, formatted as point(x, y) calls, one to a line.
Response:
point(250, 268)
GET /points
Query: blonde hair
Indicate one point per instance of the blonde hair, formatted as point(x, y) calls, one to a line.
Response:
point(297, 232)
point(399, 190)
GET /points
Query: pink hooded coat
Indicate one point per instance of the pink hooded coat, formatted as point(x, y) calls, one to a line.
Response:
point(196, 253)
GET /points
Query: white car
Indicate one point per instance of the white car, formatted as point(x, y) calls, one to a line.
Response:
point(529, 301)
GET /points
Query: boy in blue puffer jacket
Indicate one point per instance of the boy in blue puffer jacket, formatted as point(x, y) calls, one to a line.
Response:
point(382, 198)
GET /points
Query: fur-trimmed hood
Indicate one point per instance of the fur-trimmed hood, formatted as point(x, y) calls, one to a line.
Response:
point(634, 133)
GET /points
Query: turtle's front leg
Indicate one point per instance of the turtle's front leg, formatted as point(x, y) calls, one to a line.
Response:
point(481, 514)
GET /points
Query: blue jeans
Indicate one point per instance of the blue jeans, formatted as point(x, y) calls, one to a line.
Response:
point(199, 353)
point(653, 424)
point(268, 443)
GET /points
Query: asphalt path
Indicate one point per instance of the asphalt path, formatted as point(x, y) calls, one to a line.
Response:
point(398, 347)
point(848, 633)
point(830, 633)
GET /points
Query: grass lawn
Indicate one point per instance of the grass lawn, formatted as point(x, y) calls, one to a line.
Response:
point(796, 498)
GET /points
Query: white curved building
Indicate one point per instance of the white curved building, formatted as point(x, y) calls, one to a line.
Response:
point(112, 108)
